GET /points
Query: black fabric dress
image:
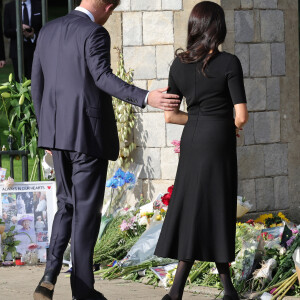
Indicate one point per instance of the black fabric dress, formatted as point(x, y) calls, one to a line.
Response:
point(201, 218)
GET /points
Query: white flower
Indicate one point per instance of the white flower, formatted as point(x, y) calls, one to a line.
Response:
point(143, 221)
point(282, 251)
point(9, 183)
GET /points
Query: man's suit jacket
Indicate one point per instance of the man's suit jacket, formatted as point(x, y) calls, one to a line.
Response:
point(2, 52)
point(10, 25)
point(71, 86)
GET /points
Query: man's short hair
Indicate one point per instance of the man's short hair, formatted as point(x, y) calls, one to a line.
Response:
point(115, 3)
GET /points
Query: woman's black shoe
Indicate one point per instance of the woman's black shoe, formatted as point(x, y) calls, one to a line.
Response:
point(226, 297)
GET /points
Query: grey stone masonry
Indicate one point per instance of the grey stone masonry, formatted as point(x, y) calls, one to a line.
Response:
point(246, 3)
point(244, 26)
point(260, 60)
point(278, 59)
point(256, 93)
point(249, 131)
point(273, 93)
point(264, 194)
point(242, 52)
point(251, 161)
point(281, 192)
point(276, 159)
point(132, 29)
point(265, 3)
point(272, 25)
point(267, 127)
point(246, 189)
point(172, 5)
point(145, 5)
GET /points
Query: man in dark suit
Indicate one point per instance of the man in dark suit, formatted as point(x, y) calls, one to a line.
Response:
point(2, 52)
point(31, 24)
point(71, 86)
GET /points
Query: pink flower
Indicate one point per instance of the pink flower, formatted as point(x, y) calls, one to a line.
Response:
point(273, 290)
point(32, 246)
point(177, 146)
point(124, 226)
point(295, 231)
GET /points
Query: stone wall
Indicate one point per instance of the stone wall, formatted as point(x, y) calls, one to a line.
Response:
point(264, 35)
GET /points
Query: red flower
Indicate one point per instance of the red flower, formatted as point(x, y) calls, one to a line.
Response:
point(166, 199)
point(170, 189)
point(250, 222)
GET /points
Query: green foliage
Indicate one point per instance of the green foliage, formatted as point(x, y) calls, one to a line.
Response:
point(17, 105)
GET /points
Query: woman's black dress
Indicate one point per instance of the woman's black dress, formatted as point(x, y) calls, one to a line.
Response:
point(201, 219)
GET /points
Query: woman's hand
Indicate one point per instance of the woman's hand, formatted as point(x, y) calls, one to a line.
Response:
point(241, 116)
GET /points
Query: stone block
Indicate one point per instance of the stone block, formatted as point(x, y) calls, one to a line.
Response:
point(164, 59)
point(174, 132)
point(142, 84)
point(153, 85)
point(273, 93)
point(132, 29)
point(149, 130)
point(172, 5)
point(267, 127)
point(152, 188)
point(251, 162)
point(246, 3)
point(256, 93)
point(169, 163)
point(228, 44)
point(124, 6)
point(229, 17)
point(249, 131)
point(260, 60)
point(150, 159)
point(242, 52)
point(278, 59)
point(264, 194)
point(246, 188)
point(145, 5)
point(272, 25)
point(265, 3)
point(158, 28)
point(281, 192)
point(276, 159)
point(244, 26)
point(144, 67)
point(230, 4)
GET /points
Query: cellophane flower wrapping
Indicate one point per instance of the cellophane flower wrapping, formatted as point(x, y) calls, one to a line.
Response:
point(243, 206)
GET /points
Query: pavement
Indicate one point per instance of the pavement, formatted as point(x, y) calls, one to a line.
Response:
point(19, 282)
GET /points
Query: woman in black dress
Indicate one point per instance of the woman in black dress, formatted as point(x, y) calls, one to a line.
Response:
point(201, 218)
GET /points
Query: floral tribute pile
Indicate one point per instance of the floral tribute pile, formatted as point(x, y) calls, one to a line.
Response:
point(264, 263)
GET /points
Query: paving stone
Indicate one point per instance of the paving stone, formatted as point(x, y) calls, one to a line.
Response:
point(267, 127)
point(276, 159)
point(246, 3)
point(145, 5)
point(132, 29)
point(272, 25)
point(281, 192)
point(124, 6)
point(264, 194)
point(150, 159)
point(256, 93)
point(251, 162)
point(164, 59)
point(260, 60)
point(273, 93)
point(169, 163)
point(242, 52)
point(265, 3)
point(174, 132)
point(278, 59)
point(246, 188)
point(149, 130)
point(158, 28)
point(244, 26)
point(144, 68)
point(249, 131)
point(172, 5)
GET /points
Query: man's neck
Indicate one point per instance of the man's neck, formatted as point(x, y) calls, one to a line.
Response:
point(89, 7)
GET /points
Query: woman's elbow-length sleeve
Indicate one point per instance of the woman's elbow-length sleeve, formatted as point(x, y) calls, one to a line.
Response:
point(235, 80)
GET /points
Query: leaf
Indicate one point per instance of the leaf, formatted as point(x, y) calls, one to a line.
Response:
point(6, 132)
point(21, 125)
point(12, 228)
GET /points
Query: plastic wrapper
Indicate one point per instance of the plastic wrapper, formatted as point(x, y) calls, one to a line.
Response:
point(243, 206)
point(266, 269)
point(48, 167)
point(162, 272)
point(144, 248)
point(296, 258)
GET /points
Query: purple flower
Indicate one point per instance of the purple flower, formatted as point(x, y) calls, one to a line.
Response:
point(290, 241)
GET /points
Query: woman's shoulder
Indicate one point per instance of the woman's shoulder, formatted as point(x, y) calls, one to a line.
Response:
point(229, 58)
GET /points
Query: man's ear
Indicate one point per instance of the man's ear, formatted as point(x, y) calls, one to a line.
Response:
point(109, 8)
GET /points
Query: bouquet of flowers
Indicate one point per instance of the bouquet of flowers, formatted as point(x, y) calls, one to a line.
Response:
point(243, 206)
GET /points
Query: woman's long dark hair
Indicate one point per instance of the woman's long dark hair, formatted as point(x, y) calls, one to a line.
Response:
point(206, 31)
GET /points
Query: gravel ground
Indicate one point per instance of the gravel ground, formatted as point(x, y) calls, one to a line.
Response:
point(18, 283)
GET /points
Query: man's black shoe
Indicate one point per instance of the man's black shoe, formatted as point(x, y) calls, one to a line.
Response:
point(45, 289)
point(97, 296)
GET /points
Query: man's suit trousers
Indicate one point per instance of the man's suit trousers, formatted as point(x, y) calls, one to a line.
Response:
point(80, 183)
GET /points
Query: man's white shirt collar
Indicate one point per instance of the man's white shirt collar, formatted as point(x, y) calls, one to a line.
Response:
point(85, 11)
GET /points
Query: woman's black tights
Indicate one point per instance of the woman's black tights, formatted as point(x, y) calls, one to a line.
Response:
point(182, 273)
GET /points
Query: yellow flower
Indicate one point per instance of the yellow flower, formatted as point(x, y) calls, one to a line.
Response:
point(279, 225)
point(283, 217)
point(162, 210)
point(262, 218)
point(272, 225)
